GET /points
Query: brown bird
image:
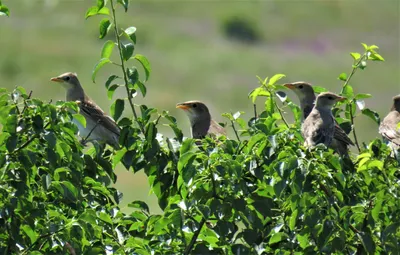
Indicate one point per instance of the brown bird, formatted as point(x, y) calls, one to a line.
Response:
point(389, 127)
point(200, 119)
point(99, 126)
point(319, 126)
point(306, 95)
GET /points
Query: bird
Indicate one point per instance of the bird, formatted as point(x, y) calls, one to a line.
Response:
point(306, 95)
point(319, 126)
point(200, 119)
point(99, 126)
point(389, 127)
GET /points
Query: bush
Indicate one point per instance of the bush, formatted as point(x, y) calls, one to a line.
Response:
point(260, 193)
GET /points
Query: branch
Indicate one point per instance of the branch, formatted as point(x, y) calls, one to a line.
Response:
point(194, 238)
point(234, 129)
point(353, 71)
point(123, 67)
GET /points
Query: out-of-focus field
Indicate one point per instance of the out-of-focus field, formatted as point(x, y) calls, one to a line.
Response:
point(192, 58)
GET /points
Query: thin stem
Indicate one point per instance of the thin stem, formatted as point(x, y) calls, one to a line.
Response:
point(354, 129)
point(280, 112)
point(123, 67)
point(255, 111)
point(353, 71)
point(234, 129)
point(194, 238)
point(30, 140)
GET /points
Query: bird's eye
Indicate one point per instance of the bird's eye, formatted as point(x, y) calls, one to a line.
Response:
point(67, 78)
point(194, 105)
point(330, 98)
point(301, 86)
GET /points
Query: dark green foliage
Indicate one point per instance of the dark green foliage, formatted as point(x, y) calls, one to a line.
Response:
point(259, 193)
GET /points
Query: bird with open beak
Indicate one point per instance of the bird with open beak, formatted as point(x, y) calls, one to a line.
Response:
point(389, 127)
point(200, 119)
point(99, 126)
point(319, 126)
point(306, 95)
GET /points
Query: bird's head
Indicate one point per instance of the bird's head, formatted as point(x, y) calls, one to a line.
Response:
point(396, 103)
point(328, 100)
point(303, 89)
point(196, 110)
point(67, 80)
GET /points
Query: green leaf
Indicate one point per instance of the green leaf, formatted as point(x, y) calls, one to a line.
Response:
point(94, 10)
point(372, 114)
point(365, 46)
point(117, 108)
point(355, 55)
point(91, 12)
point(30, 233)
point(362, 96)
point(11, 124)
point(367, 242)
point(139, 205)
point(343, 77)
point(110, 79)
point(133, 75)
point(145, 63)
point(124, 3)
point(100, 4)
point(348, 91)
point(260, 91)
point(127, 50)
point(275, 78)
point(107, 49)
point(4, 11)
point(139, 85)
point(111, 90)
point(376, 57)
point(277, 237)
point(98, 66)
point(104, 26)
point(80, 119)
point(130, 33)
point(118, 156)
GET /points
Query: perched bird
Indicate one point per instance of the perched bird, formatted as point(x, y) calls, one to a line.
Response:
point(99, 126)
point(200, 119)
point(389, 127)
point(305, 93)
point(319, 126)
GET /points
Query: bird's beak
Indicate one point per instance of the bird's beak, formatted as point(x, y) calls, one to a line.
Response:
point(341, 99)
point(182, 106)
point(56, 79)
point(289, 86)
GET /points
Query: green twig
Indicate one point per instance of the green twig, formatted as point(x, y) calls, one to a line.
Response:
point(353, 71)
point(194, 238)
point(123, 67)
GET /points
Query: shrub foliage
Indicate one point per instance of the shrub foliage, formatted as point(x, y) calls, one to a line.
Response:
point(259, 192)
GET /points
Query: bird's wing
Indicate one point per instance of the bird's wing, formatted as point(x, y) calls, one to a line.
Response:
point(388, 127)
point(215, 128)
point(322, 135)
point(340, 135)
point(94, 112)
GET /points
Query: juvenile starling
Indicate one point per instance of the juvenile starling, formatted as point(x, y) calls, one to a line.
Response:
point(389, 126)
point(200, 119)
point(99, 126)
point(305, 93)
point(319, 126)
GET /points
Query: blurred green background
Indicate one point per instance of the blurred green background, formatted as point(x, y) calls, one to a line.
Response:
point(206, 50)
